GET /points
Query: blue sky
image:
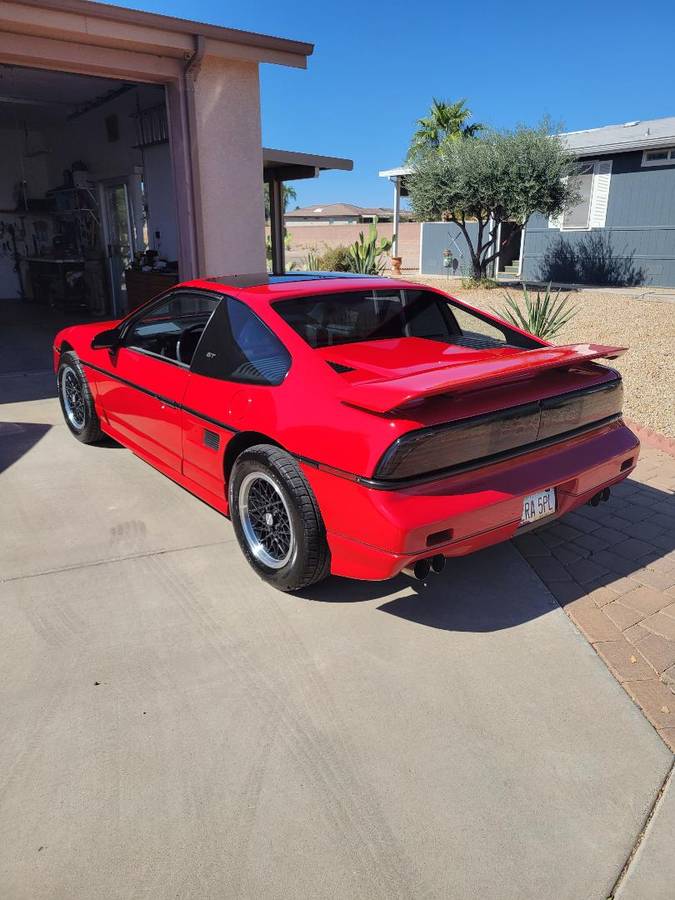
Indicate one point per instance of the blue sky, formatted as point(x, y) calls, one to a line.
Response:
point(376, 67)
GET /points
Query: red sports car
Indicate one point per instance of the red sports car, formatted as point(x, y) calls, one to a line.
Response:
point(348, 424)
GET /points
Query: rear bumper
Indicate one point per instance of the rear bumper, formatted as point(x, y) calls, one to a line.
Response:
point(374, 534)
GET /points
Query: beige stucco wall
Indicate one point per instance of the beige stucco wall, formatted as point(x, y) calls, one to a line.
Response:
point(227, 141)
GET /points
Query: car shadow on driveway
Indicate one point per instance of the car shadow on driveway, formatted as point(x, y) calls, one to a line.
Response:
point(466, 596)
point(625, 545)
point(17, 438)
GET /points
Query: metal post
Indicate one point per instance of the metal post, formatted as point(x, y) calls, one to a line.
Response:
point(277, 227)
point(397, 213)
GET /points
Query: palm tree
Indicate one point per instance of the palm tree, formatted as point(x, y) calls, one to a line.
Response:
point(445, 122)
point(287, 195)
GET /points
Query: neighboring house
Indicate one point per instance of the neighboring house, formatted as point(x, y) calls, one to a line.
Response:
point(337, 214)
point(621, 232)
point(623, 229)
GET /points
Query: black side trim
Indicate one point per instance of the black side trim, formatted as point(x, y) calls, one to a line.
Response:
point(376, 483)
point(131, 384)
point(162, 399)
point(212, 421)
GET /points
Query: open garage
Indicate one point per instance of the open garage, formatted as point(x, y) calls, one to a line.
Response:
point(132, 158)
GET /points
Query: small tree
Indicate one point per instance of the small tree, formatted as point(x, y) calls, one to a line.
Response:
point(499, 177)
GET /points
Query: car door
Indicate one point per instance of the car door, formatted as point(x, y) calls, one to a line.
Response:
point(147, 376)
point(237, 368)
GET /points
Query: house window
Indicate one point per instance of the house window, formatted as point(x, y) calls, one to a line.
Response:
point(592, 185)
point(578, 217)
point(664, 157)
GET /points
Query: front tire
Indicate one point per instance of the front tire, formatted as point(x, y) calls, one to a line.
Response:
point(276, 519)
point(76, 401)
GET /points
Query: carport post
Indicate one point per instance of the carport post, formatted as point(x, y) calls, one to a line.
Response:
point(397, 213)
point(277, 226)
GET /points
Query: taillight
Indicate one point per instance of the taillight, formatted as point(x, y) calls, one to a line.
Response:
point(444, 446)
point(570, 411)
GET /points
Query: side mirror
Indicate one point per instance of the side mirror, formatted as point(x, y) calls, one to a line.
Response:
point(109, 340)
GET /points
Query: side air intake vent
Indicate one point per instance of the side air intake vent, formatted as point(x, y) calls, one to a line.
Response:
point(339, 367)
point(211, 439)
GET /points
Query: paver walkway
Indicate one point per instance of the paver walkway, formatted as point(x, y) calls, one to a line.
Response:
point(612, 568)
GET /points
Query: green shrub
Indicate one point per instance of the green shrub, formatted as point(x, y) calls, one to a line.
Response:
point(469, 283)
point(544, 316)
point(332, 259)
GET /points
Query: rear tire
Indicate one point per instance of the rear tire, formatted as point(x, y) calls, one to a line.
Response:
point(76, 401)
point(277, 520)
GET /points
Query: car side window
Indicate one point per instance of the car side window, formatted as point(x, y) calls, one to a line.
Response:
point(171, 330)
point(238, 346)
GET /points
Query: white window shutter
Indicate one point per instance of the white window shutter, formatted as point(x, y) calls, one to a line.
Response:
point(600, 196)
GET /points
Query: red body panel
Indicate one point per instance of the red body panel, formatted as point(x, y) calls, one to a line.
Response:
point(163, 412)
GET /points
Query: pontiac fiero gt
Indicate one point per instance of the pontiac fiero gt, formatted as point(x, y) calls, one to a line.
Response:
point(353, 425)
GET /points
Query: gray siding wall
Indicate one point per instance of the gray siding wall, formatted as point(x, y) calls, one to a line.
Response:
point(439, 236)
point(640, 224)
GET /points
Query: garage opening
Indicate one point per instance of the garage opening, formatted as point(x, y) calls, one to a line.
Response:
point(87, 213)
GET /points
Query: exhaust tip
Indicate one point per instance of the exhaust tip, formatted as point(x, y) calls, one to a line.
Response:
point(421, 569)
point(438, 563)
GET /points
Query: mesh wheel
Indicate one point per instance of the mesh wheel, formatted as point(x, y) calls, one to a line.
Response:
point(276, 519)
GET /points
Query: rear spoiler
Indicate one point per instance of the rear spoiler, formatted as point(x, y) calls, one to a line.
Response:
point(387, 395)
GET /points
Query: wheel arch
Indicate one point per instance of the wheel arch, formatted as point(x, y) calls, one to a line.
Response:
point(240, 442)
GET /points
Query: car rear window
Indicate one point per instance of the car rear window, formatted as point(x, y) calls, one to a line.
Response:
point(355, 316)
point(350, 317)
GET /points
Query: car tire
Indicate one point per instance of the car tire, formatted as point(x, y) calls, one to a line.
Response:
point(276, 519)
point(77, 404)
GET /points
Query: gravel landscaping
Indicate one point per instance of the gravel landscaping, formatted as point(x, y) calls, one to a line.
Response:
point(639, 318)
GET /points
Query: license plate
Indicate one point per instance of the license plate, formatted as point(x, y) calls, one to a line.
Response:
point(538, 506)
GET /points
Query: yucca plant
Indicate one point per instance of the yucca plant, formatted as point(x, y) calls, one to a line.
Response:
point(544, 315)
point(367, 256)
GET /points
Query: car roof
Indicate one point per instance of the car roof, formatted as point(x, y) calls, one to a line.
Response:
point(268, 288)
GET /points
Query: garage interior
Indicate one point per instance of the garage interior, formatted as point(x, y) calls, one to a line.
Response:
point(87, 216)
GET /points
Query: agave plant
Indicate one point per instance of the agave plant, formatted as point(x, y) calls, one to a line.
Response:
point(367, 255)
point(544, 315)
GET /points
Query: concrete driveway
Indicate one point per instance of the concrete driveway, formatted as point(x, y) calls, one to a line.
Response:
point(172, 727)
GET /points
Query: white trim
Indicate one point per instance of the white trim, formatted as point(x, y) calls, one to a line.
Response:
point(419, 267)
point(668, 161)
point(522, 248)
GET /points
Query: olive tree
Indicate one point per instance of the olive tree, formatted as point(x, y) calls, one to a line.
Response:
point(500, 176)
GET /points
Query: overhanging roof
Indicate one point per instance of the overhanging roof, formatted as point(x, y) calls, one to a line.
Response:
point(623, 138)
point(105, 25)
point(287, 165)
point(395, 173)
